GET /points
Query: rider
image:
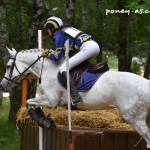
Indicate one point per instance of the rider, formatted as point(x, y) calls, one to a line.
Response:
point(78, 42)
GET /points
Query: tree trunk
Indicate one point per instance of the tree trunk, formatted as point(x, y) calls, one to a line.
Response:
point(36, 21)
point(122, 38)
point(129, 61)
point(3, 43)
point(69, 11)
point(147, 68)
point(15, 94)
point(15, 103)
point(1, 98)
point(84, 13)
point(99, 19)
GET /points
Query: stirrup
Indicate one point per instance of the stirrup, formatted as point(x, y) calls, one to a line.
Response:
point(76, 102)
point(73, 105)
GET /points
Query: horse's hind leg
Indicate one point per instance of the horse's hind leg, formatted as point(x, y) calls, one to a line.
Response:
point(138, 121)
point(143, 130)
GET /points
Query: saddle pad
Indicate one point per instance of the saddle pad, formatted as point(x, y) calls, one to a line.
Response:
point(86, 82)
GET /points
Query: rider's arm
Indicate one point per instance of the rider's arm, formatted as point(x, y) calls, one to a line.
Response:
point(57, 54)
point(54, 55)
point(59, 41)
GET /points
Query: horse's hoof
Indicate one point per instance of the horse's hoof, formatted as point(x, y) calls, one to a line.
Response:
point(46, 122)
point(39, 112)
point(40, 123)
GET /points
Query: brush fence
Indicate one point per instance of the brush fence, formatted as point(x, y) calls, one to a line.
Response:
point(82, 139)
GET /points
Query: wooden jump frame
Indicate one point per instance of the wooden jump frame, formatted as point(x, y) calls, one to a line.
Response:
point(82, 139)
point(25, 89)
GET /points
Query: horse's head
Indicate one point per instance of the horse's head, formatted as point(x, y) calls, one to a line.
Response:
point(14, 68)
point(23, 63)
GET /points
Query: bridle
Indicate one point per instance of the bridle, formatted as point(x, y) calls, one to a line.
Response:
point(21, 74)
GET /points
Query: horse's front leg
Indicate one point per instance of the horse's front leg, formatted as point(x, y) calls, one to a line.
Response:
point(37, 114)
point(37, 101)
point(53, 95)
point(39, 117)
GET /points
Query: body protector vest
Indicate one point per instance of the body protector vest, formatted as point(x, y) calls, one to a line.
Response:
point(78, 36)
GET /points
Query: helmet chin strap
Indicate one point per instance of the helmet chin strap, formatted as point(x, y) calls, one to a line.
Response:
point(52, 33)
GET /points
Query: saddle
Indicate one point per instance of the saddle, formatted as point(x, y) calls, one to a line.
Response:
point(85, 75)
point(78, 71)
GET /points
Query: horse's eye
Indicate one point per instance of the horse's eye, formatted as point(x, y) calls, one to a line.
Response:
point(7, 67)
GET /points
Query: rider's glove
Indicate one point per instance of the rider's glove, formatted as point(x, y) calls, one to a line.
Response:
point(45, 53)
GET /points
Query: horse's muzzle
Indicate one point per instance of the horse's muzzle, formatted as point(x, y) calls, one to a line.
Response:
point(2, 88)
point(5, 86)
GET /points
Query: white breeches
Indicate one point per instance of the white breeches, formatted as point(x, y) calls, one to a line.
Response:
point(87, 50)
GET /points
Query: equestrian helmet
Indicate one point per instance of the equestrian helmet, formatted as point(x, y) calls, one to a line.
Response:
point(53, 23)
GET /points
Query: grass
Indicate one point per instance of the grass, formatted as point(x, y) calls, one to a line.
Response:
point(9, 135)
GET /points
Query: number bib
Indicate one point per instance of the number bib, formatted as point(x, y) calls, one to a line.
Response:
point(78, 36)
point(73, 32)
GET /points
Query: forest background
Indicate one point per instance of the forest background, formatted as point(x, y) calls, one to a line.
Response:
point(121, 34)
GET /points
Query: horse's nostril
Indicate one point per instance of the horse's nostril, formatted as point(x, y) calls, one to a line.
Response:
point(1, 87)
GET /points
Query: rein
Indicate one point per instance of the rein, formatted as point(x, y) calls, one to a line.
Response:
point(21, 73)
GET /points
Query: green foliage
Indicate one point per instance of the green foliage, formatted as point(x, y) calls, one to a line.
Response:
point(9, 136)
point(54, 8)
point(1, 67)
point(112, 61)
point(135, 67)
point(18, 20)
point(134, 5)
point(103, 28)
point(138, 28)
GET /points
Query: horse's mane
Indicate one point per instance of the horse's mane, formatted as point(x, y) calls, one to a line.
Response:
point(35, 50)
point(38, 52)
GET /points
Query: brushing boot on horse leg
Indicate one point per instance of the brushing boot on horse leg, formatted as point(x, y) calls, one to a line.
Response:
point(76, 98)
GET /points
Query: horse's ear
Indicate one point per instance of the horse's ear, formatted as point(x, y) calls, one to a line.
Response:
point(14, 50)
point(11, 52)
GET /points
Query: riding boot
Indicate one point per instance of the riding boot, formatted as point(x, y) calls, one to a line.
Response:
point(76, 98)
